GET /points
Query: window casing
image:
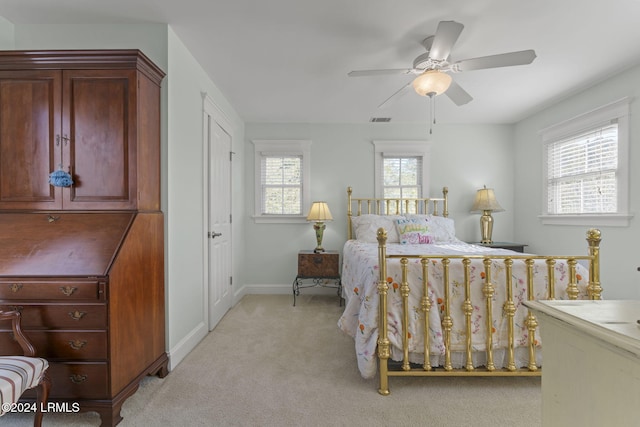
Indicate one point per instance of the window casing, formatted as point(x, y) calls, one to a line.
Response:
point(281, 180)
point(586, 172)
point(401, 169)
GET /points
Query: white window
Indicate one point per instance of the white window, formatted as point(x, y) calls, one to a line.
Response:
point(586, 169)
point(282, 180)
point(401, 176)
point(401, 169)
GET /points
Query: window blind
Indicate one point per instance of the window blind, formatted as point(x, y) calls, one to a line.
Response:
point(281, 184)
point(402, 176)
point(582, 172)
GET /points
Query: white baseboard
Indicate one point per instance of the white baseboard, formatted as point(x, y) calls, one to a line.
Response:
point(188, 343)
point(278, 290)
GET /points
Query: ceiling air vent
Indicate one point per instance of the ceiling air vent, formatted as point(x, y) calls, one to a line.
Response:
point(380, 119)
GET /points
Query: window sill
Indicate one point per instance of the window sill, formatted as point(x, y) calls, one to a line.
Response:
point(594, 220)
point(280, 219)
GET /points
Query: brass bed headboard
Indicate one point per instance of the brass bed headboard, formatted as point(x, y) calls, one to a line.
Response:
point(395, 206)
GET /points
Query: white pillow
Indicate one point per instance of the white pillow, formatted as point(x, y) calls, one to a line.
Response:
point(366, 227)
point(443, 229)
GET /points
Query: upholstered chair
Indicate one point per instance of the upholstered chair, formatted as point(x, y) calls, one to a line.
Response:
point(22, 372)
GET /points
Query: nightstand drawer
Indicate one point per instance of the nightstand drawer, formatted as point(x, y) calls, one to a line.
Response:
point(323, 264)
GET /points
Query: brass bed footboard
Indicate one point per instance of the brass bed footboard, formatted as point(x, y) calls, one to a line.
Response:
point(507, 262)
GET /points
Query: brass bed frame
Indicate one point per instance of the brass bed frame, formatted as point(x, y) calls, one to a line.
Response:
point(431, 205)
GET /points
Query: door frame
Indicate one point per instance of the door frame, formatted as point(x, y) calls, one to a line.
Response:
point(210, 111)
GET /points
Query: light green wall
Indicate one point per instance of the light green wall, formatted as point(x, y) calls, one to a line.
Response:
point(185, 175)
point(463, 157)
point(619, 275)
point(149, 38)
point(6, 34)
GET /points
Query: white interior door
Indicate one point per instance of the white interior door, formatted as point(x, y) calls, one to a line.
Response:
point(219, 227)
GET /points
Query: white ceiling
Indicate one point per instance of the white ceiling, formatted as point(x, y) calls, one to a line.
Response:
point(287, 60)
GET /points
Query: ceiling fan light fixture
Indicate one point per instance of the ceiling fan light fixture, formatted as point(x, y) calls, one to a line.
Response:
point(432, 82)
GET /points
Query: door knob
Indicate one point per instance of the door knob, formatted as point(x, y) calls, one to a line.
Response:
point(213, 234)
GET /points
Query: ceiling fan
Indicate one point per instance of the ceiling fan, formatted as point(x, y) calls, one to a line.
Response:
point(432, 67)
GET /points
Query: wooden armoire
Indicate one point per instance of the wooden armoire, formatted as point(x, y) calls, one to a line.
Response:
point(84, 263)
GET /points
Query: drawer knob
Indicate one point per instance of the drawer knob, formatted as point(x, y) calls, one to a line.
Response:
point(77, 378)
point(68, 290)
point(15, 287)
point(18, 308)
point(77, 315)
point(77, 344)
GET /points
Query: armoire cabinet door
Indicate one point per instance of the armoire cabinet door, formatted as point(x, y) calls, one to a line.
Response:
point(30, 103)
point(99, 120)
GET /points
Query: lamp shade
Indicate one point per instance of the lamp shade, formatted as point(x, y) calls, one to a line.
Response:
point(486, 201)
point(319, 212)
point(432, 82)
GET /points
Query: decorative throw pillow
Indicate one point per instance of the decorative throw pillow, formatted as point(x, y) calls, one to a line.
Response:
point(443, 229)
point(413, 231)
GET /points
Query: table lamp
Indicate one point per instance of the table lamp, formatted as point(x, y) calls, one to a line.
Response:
point(486, 203)
point(319, 213)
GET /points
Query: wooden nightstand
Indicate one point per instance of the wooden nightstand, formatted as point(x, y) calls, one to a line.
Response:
point(518, 247)
point(322, 268)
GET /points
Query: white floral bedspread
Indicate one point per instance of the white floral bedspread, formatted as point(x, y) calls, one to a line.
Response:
point(360, 275)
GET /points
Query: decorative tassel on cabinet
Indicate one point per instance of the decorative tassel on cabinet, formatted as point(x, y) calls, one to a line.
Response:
point(60, 178)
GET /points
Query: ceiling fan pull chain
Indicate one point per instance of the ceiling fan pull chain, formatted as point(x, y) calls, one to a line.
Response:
point(432, 113)
point(433, 107)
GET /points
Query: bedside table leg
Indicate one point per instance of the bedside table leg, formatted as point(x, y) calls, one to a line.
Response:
point(296, 289)
point(317, 282)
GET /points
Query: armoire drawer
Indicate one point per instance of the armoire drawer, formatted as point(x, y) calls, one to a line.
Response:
point(77, 381)
point(53, 290)
point(60, 316)
point(71, 345)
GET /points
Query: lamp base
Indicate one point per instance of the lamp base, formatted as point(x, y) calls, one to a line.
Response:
point(319, 227)
point(486, 225)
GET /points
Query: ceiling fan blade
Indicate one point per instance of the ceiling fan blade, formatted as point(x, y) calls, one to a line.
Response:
point(522, 57)
point(446, 36)
point(458, 95)
point(397, 94)
point(363, 73)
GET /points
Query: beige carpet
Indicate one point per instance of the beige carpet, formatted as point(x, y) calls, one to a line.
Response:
point(271, 364)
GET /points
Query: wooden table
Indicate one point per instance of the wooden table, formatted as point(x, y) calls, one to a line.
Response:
point(323, 268)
